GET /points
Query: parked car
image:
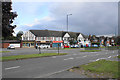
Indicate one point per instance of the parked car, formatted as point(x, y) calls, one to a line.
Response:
point(44, 46)
point(11, 47)
point(66, 46)
point(74, 46)
point(95, 45)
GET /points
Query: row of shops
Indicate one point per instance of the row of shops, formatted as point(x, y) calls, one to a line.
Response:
point(38, 43)
point(30, 44)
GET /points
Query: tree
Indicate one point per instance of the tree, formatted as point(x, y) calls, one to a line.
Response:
point(7, 20)
point(19, 34)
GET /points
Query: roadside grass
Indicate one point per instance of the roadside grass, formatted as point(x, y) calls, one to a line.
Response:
point(62, 48)
point(17, 57)
point(118, 56)
point(102, 47)
point(4, 51)
point(71, 48)
point(100, 69)
point(90, 50)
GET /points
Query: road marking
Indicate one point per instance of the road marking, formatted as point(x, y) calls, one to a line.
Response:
point(12, 67)
point(69, 58)
point(106, 53)
point(54, 57)
point(113, 52)
point(97, 54)
point(97, 59)
point(43, 76)
point(109, 57)
point(84, 56)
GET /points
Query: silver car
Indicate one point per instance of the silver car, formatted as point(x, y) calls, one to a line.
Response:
point(11, 47)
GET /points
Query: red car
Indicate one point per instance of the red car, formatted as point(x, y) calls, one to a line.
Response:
point(66, 46)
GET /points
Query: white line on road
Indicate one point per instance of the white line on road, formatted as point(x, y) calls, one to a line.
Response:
point(54, 57)
point(109, 57)
point(43, 76)
point(84, 56)
point(106, 53)
point(97, 59)
point(69, 58)
point(12, 67)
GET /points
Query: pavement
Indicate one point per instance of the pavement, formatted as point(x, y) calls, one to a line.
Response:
point(54, 66)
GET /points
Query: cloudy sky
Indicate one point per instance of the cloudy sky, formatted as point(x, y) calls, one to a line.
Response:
point(97, 18)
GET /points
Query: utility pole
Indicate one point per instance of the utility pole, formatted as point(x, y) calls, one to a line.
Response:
point(67, 20)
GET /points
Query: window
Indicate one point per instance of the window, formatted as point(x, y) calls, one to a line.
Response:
point(26, 38)
point(47, 38)
point(32, 44)
point(42, 38)
point(23, 38)
point(65, 38)
point(54, 38)
point(32, 38)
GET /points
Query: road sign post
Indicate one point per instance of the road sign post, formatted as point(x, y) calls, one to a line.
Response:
point(58, 49)
point(39, 51)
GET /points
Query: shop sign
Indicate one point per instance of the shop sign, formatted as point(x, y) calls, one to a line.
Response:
point(57, 41)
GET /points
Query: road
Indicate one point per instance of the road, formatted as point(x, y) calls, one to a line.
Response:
point(55, 66)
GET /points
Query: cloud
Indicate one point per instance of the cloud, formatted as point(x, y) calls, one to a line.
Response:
point(87, 17)
point(40, 22)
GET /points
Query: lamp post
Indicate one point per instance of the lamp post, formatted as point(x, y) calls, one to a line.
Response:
point(67, 20)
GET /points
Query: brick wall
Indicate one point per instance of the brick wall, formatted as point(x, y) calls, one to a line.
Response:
point(5, 45)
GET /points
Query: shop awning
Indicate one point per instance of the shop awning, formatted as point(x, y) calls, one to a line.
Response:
point(57, 41)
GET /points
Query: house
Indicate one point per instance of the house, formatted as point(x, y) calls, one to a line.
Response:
point(52, 38)
point(41, 37)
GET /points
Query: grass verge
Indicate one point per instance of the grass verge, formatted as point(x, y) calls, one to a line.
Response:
point(4, 51)
point(100, 69)
point(62, 48)
point(118, 56)
point(17, 57)
point(90, 50)
point(71, 48)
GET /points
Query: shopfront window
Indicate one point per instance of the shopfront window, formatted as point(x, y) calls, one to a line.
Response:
point(32, 44)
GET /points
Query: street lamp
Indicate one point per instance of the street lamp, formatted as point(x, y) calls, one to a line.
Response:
point(67, 20)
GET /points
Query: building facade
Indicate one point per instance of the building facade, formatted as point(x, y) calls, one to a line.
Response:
point(50, 38)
